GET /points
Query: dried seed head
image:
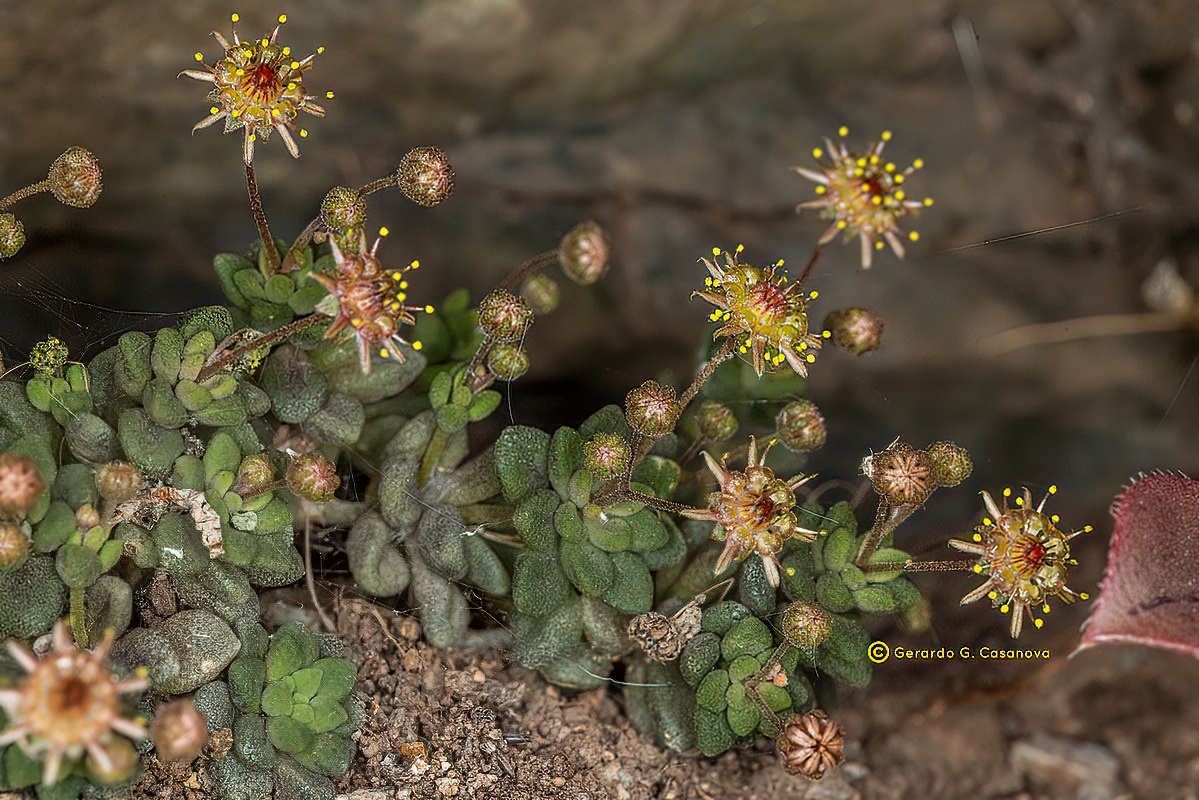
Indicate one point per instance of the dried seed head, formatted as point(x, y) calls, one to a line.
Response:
point(542, 293)
point(951, 464)
point(87, 517)
point(504, 316)
point(800, 426)
point(14, 546)
point(652, 409)
point(858, 330)
point(180, 731)
point(811, 745)
point(806, 625)
point(901, 475)
point(313, 477)
point(663, 638)
point(583, 253)
point(75, 178)
point(118, 481)
point(715, 422)
point(12, 235)
point(256, 471)
point(425, 176)
point(20, 484)
point(343, 209)
point(68, 706)
point(507, 362)
point(606, 455)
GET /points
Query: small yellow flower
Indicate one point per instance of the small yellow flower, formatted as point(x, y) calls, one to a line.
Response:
point(369, 299)
point(258, 86)
point(761, 307)
point(1024, 556)
point(753, 511)
point(864, 195)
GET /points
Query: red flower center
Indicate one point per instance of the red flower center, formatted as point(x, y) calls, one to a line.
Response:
point(263, 83)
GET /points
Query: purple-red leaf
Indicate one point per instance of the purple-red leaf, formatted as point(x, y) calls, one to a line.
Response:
point(1150, 594)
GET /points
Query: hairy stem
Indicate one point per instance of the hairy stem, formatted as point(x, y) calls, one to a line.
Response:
point(957, 565)
point(264, 232)
point(887, 520)
point(807, 269)
point(28, 191)
point(532, 266)
point(265, 340)
point(78, 617)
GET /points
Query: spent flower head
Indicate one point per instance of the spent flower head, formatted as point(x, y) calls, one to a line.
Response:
point(863, 194)
point(68, 706)
point(811, 745)
point(762, 310)
point(754, 512)
point(257, 87)
point(369, 299)
point(1024, 556)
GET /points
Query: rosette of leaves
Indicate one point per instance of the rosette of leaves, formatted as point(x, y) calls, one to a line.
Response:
point(268, 303)
point(583, 569)
point(418, 540)
point(292, 718)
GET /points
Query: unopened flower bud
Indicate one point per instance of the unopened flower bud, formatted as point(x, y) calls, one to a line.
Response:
point(14, 546)
point(116, 765)
point(606, 455)
point(256, 471)
point(20, 484)
point(858, 330)
point(425, 176)
point(75, 178)
point(652, 409)
point(950, 463)
point(12, 235)
point(313, 477)
point(583, 253)
point(811, 745)
point(118, 481)
point(343, 209)
point(87, 517)
point(801, 426)
point(507, 362)
point(901, 475)
point(715, 422)
point(806, 625)
point(542, 293)
point(180, 731)
point(505, 316)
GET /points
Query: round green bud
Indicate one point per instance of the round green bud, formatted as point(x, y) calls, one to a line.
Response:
point(20, 484)
point(901, 475)
point(425, 176)
point(542, 293)
point(87, 517)
point(652, 409)
point(256, 471)
point(12, 235)
point(950, 463)
point(14, 546)
point(75, 178)
point(715, 422)
point(858, 330)
point(505, 316)
point(342, 209)
point(313, 477)
point(118, 481)
point(583, 253)
point(507, 362)
point(606, 455)
point(806, 625)
point(800, 426)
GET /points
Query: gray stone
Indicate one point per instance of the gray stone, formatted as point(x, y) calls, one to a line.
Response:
point(1067, 767)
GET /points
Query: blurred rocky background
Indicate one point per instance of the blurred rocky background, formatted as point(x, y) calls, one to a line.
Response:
point(675, 124)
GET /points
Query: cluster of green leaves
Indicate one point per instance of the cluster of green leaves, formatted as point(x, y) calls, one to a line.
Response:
point(583, 569)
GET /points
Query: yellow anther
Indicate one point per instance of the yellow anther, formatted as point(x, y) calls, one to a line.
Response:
point(914, 236)
point(878, 201)
point(843, 131)
point(303, 133)
point(811, 359)
point(812, 295)
point(213, 110)
point(282, 18)
point(928, 201)
point(715, 251)
point(817, 153)
point(978, 568)
point(295, 65)
point(286, 50)
point(1019, 501)
point(826, 334)
point(1084, 596)
point(320, 50)
point(328, 95)
point(1045, 608)
point(886, 137)
point(356, 322)
point(1055, 518)
point(1038, 622)
point(977, 537)
point(900, 194)
point(1087, 529)
point(861, 162)
point(992, 594)
point(395, 306)
point(899, 179)
point(878, 245)
point(918, 163)
point(987, 521)
point(740, 248)
point(1003, 609)
point(417, 345)
point(240, 71)
point(821, 189)
point(1007, 492)
point(200, 57)
point(414, 265)
point(383, 352)
point(1052, 488)
point(790, 571)
point(384, 231)
point(265, 41)
point(253, 137)
point(403, 284)
point(841, 224)
point(234, 18)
